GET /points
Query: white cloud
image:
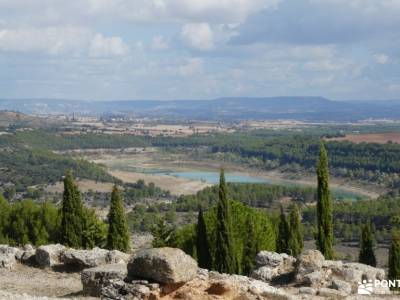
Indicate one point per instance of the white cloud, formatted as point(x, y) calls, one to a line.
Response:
point(101, 46)
point(159, 43)
point(55, 40)
point(198, 36)
point(61, 40)
point(191, 67)
point(381, 58)
point(222, 11)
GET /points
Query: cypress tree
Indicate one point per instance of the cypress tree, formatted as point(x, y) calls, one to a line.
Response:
point(118, 233)
point(367, 255)
point(296, 236)
point(202, 245)
point(282, 245)
point(225, 256)
point(394, 256)
point(4, 219)
point(324, 238)
point(71, 214)
point(250, 247)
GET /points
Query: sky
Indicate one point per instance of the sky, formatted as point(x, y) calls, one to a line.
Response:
point(199, 49)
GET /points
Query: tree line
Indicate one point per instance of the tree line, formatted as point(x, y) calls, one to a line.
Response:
point(73, 224)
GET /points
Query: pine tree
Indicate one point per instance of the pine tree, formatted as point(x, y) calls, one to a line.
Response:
point(394, 256)
point(4, 219)
point(71, 214)
point(282, 245)
point(118, 232)
point(94, 230)
point(202, 245)
point(163, 233)
point(250, 247)
point(324, 238)
point(225, 256)
point(367, 255)
point(296, 235)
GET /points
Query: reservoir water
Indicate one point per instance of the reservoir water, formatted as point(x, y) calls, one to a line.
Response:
point(213, 177)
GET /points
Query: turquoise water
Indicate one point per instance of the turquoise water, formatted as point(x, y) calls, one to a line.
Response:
point(213, 177)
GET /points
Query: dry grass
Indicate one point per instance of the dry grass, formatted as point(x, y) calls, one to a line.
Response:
point(177, 186)
point(84, 186)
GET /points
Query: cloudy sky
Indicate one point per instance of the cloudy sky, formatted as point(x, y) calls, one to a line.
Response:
point(199, 49)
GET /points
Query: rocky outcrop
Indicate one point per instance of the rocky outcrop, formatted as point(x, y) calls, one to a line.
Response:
point(8, 256)
point(163, 265)
point(50, 255)
point(270, 266)
point(94, 279)
point(85, 258)
point(167, 274)
point(117, 257)
point(314, 275)
point(27, 255)
point(204, 286)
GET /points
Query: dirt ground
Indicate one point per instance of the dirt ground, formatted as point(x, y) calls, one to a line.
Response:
point(41, 283)
point(84, 186)
point(177, 186)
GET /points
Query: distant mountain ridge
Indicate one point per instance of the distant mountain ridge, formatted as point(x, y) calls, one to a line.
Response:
point(299, 108)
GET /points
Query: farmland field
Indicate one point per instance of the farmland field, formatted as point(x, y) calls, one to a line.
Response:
point(380, 138)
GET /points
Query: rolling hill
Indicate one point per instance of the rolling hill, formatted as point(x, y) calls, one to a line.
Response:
point(299, 108)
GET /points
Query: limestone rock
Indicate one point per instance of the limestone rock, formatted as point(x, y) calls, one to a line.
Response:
point(94, 279)
point(310, 261)
point(7, 256)
point(264, 273)
point(341, 285)
point(367, 272)
point(331, 293)
point(273, 259)
point(50, 255)
point(85, 258)
point(117, 257)
point(313, 279)
point(163, 265)
point(307, 290)
point(271, 265)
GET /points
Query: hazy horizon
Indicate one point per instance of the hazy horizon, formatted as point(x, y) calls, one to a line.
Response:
point(192, 49)
point(205, 99)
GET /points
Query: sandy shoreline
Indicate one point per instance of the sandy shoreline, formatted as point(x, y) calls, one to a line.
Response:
point(132, 167)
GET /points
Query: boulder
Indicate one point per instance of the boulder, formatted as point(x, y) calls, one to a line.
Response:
point(313, 279)
point(85, 258)
point(28, 257)
point(116, 257)
point(270, 265)
point(94, 279)
point(367, 272)
point(163, 265)
point(50, 255)
point(264, 273)
point(310, 261)
point(7, 256)
point(273, 259)
point(136, 290)
point(342, 286)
